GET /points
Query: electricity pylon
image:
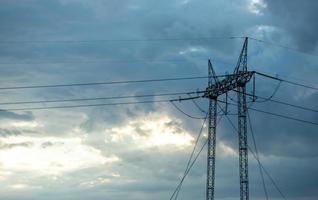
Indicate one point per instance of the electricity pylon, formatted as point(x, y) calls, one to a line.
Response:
point(232, 82)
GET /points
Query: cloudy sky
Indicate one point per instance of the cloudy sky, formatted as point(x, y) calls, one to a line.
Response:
point(139, 152)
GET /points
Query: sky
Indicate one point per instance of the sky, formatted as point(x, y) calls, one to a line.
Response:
point(140, 151)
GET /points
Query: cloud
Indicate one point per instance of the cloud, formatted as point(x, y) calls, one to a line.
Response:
point(140, 151)
point(14, 145)
point(32, 154)
point(298, 19)
point(28, 116)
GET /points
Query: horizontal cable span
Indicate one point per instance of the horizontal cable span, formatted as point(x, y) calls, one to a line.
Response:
point(88, 105)
point(280, 102)
point(94, 105)
point(282, 46)
point(275, 114)
point(103, 61)
point(104, 83)
point(119, 40)
point(287, 81)
point(96, 98)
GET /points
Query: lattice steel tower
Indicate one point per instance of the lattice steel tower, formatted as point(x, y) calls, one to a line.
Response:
point(232, 82)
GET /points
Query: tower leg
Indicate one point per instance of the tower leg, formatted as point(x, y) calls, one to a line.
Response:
point(243, 150)
point(211, 149)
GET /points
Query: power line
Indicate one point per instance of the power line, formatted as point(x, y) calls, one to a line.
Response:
point(279, 102)
point(193, 162)
point(88, 105)
point(285, 116)
point(136, 102)
point(101, 61)
point(191, 165)
point(282, 46)
point(295, 78)
point(92, 105)
point(273, 94)
point(188, 115)
point(272, 100)
point(276, 114)
point(119, 40)
point(141, 81)
point(287, 81)
point(176, 191)
point(197, 105)
point(257, 155)
point(254, 155)
point(95, 98)
point(103, 83)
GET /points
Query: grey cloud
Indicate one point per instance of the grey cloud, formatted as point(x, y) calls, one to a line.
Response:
point(50, 144)
point(156, 170)
point(298, 18)
point(14, 145)
point(8, 132)
point(27, 116)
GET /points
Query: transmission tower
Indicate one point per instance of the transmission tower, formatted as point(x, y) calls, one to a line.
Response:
point(232, 82)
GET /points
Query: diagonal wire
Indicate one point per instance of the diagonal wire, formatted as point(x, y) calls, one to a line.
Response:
point(257, 155)
point(196, 104)
point(191, 156)
point(188, 115)
point(176, 191)
point(191, 165)
point(283, 46)
point(287, 81)
point(276, 114)
point(264, 169)
point(272, 95)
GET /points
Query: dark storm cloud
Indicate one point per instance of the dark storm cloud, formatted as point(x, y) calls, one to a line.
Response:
point(299, 20)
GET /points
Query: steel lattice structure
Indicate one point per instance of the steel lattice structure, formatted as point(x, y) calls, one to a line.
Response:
point(236, 81)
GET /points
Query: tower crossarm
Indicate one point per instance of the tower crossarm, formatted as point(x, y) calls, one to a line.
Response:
point(230, 82)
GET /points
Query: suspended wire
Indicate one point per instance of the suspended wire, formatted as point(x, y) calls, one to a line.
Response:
point(276, 114)
point(146, 95)
point(272, 95)
point(94, 98)
point(287, 81)
point(282, 102)
point(103, 61)
point(285, 116)
point(180, 110)
point(193, 162)
point(197, 105)
point(295, 78)
point(97, 105)
point(257, 155)
point(104, 83)
point(88, 105)
point(293, 105)
point(143, 81)
point(282, 46)
point(176, 191)
point(277, 101)
point(119, 40)
point(256, 158)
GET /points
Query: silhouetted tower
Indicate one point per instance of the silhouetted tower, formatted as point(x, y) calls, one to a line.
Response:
point(237, 82)
point(211, 135)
